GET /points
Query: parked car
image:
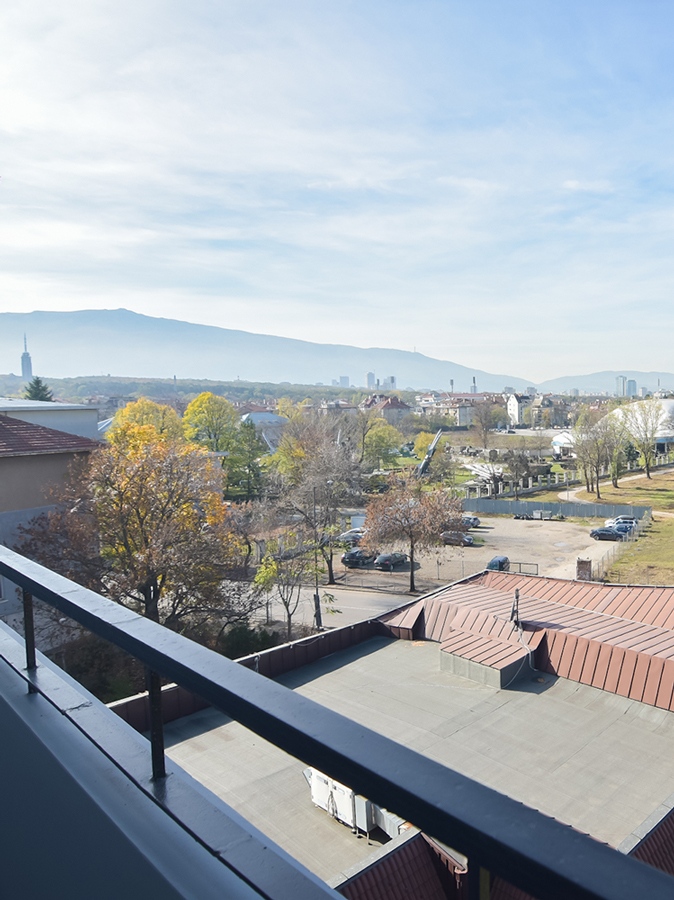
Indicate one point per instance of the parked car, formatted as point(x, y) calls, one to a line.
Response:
point(470, 521)
point(388, 561)
point(499, 564)
point(606, 534)
point(623, 527)
point(457, 538)
point(356, 559)
point(352, 536)
point(630, 520)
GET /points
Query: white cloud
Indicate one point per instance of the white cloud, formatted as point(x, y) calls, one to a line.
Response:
point(446, 178)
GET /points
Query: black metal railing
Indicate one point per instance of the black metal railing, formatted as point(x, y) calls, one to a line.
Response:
point(497, 834)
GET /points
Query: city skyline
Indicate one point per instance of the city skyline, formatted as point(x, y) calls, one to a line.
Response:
point(486, 185)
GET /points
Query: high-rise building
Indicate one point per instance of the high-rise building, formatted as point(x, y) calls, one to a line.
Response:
point(631, 388)
point(620, 385)
point(389, 383)
point(370, 381)
point(344, 381)
point(26, 364)
point(473, 387)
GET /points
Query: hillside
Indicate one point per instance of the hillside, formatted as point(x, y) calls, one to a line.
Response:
point(124, 343)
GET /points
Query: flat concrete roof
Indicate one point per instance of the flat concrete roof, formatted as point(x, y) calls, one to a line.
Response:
point(595, 760)
point(8, 404)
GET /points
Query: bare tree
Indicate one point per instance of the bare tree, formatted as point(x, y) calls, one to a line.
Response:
point(283, 571)
point(484, 416)
point(643, 420)
point(409, 514)
point(518, 464)
point(320, 472)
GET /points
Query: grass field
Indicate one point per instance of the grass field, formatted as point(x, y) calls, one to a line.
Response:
point(657, 492)
point(650, 560)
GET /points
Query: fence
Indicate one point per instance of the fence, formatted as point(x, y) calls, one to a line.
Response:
point(497, 507)
point(600, 567)
point(563, 481)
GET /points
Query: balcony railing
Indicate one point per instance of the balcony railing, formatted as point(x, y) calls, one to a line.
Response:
point(497, 834)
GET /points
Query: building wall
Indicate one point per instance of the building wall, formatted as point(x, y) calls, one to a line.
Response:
point(25, 480)
point(83, 422)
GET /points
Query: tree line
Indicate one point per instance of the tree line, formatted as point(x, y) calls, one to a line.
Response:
point(191, 522)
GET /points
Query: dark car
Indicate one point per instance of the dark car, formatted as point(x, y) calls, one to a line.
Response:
point(468, 520)
point(388, 561)
point(457, 538)
point(623, 527)
point(356, 559)
point(499, 564)
point(606, 534)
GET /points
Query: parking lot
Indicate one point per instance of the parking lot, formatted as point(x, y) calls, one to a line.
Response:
point(551, 546)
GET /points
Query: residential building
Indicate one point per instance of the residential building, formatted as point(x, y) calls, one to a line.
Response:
point(73, 418)
point(548, 412)
point(516, 405)
point(390, 408)
point(268, 426)
point(34, 461)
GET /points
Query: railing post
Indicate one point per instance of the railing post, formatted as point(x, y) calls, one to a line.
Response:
point(29, 636)
point(156, 725)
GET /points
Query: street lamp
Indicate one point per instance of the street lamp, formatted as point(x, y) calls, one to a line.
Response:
point(317, 598)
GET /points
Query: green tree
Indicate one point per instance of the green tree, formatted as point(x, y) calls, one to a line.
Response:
point(37, 389)
point(382, 445)
point(211, 422)
point(242, 465)
point(422, 442)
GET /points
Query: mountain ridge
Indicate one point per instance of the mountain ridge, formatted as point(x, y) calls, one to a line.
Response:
point(130, 344)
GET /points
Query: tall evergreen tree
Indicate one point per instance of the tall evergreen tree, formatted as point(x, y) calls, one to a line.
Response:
point(38, 390)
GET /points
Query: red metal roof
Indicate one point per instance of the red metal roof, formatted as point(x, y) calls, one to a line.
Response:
point(19, 438)
point(418, 868)
point(618, 638)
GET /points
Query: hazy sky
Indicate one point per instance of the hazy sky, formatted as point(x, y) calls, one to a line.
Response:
point(490, 182)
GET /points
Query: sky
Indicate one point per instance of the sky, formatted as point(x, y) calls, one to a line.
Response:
point(486, 182)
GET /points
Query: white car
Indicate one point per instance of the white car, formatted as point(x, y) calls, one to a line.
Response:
point(352, 536)
point(618, 520)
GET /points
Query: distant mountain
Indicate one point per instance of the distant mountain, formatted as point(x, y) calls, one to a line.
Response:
point(127, 344)
point(124, 343)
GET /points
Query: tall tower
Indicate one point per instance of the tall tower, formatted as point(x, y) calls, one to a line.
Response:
point(26, 364)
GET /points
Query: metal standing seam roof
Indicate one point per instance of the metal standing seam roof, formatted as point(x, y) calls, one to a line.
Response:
point(19, 438)
point(418, 868)
point(618, 638)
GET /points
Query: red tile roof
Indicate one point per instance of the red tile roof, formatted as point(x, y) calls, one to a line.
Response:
point(19, 438)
